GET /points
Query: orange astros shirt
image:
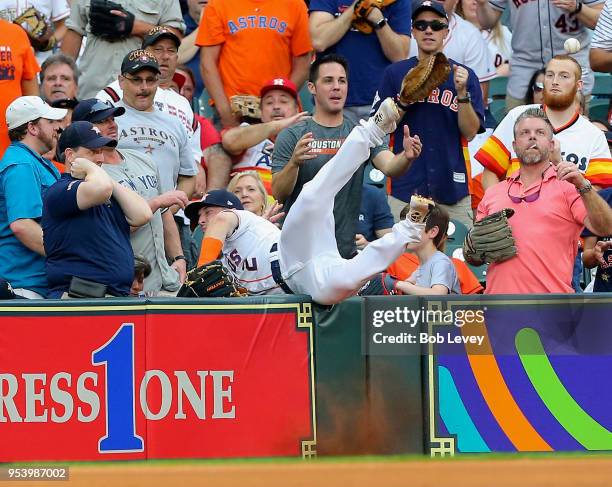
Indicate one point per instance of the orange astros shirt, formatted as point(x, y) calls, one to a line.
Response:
point(259, 37)
point(17, 62)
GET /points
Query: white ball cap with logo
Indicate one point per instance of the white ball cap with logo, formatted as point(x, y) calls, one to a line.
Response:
point(27, 108)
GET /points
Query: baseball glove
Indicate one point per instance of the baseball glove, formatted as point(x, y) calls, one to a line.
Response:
point(420, 81)
point(490, 240)
point(382, 284)
point(246, 106)
point(38, 29)
point(107, 25)
point(362, 10)
point(210, 280)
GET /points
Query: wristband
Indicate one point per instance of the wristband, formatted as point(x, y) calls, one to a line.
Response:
point(585, 189)
point(179, 257)
point(578, 7)
point(380, 24)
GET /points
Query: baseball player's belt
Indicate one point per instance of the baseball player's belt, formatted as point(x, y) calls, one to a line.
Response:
point(276, 271)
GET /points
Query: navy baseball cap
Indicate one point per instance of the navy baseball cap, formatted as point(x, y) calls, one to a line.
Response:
point(139, 59)
point(217, 197)
point(94, 111)
point(83, 134)
point(157, 33)
point(431, 5)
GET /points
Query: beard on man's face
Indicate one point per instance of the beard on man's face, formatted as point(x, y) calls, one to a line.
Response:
point(531, 156)
point(560, 101)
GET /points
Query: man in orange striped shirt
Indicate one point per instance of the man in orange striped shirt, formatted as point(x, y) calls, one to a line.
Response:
point(581, 142)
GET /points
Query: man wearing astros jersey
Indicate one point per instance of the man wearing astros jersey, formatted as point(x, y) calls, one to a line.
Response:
point(581, 142)
point(303, 257)
point(539, 31)
point(251, 145)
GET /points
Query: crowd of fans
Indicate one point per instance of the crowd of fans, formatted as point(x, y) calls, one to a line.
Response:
point(118, 147)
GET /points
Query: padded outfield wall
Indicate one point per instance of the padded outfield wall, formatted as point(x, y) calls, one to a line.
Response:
point(277, 376)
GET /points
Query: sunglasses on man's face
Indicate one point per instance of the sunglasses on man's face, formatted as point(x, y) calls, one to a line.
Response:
point(436, 25)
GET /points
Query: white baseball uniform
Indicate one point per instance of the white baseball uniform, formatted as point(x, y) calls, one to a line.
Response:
point(500, 50)
point(306, 248)
point(160, 136)
point(256, 158)
point(539, 30)
point(464, 44)
point(602, 36)
point(246, 253)
point(581, 143)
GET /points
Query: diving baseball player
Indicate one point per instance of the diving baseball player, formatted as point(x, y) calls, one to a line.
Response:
point(303, 258)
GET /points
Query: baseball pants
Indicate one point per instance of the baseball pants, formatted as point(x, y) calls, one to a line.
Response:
point(309, 259)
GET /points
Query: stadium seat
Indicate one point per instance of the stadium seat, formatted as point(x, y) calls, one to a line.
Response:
point(197, 236)
point(306, 100)
point(203, 106)
point(497, 88)
point(598, 109)
point(603, 86)
point(374, 177)
point(498, 109)
point(454, 248)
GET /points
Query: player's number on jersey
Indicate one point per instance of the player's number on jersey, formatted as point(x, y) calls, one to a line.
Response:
point(567, 23)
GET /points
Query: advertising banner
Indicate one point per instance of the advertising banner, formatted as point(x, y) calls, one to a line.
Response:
point(527, 373)
point(156, 379)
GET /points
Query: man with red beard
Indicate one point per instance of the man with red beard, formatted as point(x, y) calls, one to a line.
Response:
point(581, 142)
point(552, 203)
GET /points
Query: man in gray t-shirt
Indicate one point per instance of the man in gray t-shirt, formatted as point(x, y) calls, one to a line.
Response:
point(302, 150)
point(138, 172)
point(156, 134)
point(161, 137)
point(150, 131)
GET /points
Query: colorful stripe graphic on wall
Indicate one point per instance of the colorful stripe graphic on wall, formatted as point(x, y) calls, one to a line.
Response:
point(538, 382)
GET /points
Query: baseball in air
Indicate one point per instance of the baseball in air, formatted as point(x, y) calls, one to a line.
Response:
point(571, 45)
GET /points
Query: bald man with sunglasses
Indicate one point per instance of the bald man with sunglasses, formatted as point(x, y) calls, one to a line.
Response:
point(552, 203)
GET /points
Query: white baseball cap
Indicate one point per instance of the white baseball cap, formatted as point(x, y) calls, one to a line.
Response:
point(27, 108)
